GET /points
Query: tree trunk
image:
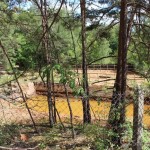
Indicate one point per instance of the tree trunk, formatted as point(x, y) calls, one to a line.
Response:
point(54, 98)
point(70, 110)
point(117, 110)
point(124, 61)
point(46, 47)
point(85, 99)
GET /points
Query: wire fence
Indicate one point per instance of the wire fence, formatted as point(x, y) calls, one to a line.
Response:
point(13, 109)
point(100, 85)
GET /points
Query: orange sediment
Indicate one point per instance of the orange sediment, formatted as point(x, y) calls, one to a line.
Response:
point(98, 111)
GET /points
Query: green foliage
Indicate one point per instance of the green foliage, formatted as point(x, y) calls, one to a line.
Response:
point(105, 44)
point(72, 84)
point(46, 71)
point(21, 31)
point(100, 136)
point(99, 49)
point(113, 39)
point(24, 32)
point(66, 75)
point(99, 99)
point(139, 54)
point(17, 37)
point(6, 78)
point(8, 133)
point(129, 133)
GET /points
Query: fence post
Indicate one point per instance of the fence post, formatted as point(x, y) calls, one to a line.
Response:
point(138, 119)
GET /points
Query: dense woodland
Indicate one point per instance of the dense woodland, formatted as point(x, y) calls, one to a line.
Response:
point(47, 36)
point(21, 33)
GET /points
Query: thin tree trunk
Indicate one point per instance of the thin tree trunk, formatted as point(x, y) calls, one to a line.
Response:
point(22, 94)
point(46, 47)
point(42, 6)
point(60, 119)
point(85, 99)
point(74, 48)
point(70, 110)
point(54, 99)
point(50, 103)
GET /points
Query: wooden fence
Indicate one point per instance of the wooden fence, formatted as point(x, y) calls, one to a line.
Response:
point(105, 67)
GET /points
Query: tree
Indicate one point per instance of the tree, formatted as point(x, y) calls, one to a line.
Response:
point(139, 49)
point(117, 110)
point(85, 99)
point(46, 48)
point(100, 48)
point(127, 21)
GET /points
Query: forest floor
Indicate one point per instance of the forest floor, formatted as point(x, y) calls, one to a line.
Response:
point(87, 137)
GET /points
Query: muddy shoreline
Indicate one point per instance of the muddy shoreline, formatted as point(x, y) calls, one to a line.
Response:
point(96, 92)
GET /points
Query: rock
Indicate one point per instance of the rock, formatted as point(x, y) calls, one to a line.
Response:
point(2, 72)
point(12, 92)
point(30, 89)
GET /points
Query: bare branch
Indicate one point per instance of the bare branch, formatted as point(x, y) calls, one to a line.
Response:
point(53, 21)
point(100, 59)
point(22, 94)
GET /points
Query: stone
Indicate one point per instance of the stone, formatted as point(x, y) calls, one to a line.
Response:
point(30, 89)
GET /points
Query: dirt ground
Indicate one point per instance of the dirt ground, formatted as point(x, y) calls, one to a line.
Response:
point(16, 113)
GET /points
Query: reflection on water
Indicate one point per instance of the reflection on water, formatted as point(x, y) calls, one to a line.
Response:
point(98, 111)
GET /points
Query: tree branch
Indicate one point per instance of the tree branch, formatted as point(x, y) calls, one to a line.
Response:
point(22, 94)
point(99, 59)
point(53, 21)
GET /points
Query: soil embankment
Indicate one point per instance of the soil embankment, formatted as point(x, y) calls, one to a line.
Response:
point(96, 92)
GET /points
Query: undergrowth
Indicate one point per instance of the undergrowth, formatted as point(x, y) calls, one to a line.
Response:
point(8, 133)
point(97, 137)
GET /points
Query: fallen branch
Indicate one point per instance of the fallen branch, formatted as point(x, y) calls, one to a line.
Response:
point(103, 81)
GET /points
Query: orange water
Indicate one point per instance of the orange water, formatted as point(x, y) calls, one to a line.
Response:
point(98, 111)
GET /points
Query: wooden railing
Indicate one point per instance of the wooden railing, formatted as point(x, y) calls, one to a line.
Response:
point(105, 67)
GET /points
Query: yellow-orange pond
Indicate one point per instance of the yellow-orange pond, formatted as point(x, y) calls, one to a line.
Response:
point(98, 111)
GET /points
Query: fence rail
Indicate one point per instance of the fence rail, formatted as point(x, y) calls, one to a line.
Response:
point(105, 67)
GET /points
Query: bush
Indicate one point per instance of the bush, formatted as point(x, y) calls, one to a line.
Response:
point(8, 134)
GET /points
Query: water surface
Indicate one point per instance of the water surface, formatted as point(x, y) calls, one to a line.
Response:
point(99, 111)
